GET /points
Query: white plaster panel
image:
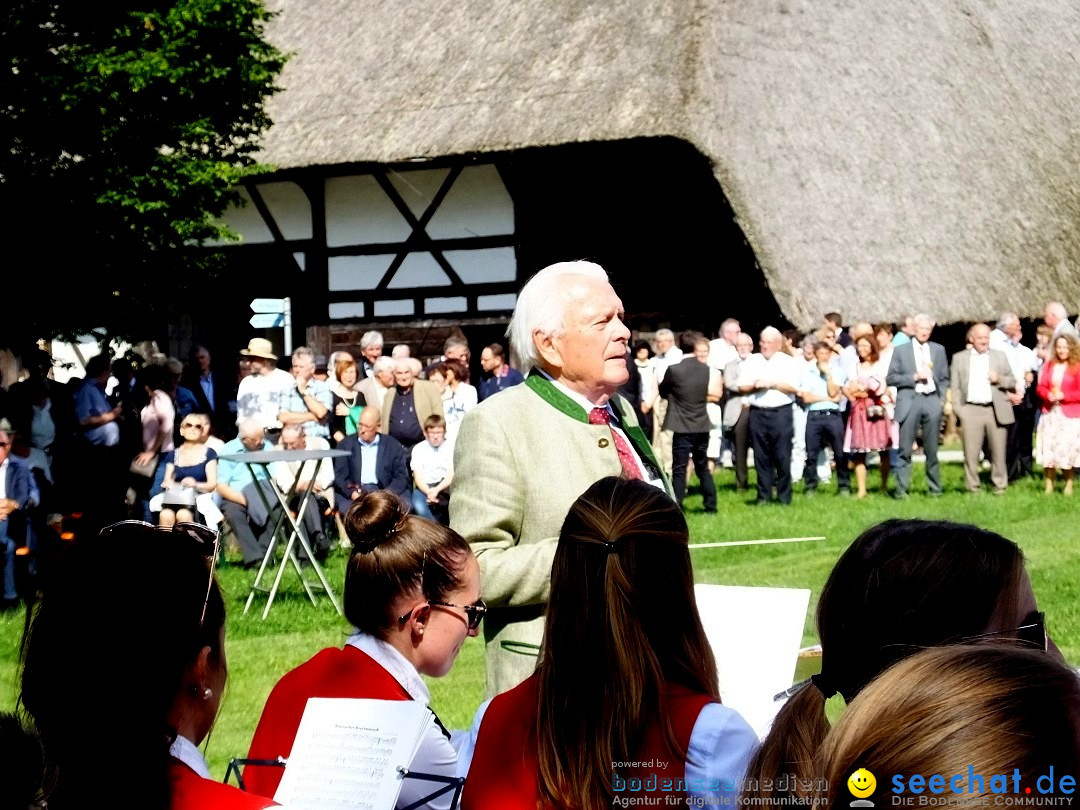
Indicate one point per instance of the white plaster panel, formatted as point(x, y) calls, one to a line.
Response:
point(358, 212)
point(492, 302)
point(418, 188)
point(478, 204)
point(347, 309)
point(357, 272)
point(386, 308)
point(246, 221)
point(436, 306)
point(419, 270)
point(484, 266)
point(289, 207)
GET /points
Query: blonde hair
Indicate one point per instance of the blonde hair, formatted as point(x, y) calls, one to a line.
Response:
point(991, 707)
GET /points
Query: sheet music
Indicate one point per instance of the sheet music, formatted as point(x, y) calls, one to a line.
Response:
point(347, 752)
point(755, 634)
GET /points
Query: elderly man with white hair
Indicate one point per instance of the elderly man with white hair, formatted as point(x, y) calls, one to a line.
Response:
point(371, 346)
point(408, 404)
point(770, 380)
point(919, 372)
point(523, 457)
point(1057, 318)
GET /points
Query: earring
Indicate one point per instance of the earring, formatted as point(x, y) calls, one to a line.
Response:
point(207, 693)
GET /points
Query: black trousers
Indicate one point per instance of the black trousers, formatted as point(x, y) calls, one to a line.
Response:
point(739, 434)
point(771, 433)
point(825, 429)
point(683, 446)
point(1019, 453)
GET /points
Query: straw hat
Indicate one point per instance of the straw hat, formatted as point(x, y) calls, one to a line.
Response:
point(259, 347)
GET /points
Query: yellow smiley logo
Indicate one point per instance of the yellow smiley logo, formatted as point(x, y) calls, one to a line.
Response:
point(862, 783)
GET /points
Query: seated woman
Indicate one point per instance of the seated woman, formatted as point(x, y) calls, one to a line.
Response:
point(901, 586)
point(132, 729)
point(190, 471)
point(990, 708)
point(412, 589)
point(625, 674)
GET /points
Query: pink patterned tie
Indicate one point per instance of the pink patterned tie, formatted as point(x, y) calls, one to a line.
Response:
point(601, 416)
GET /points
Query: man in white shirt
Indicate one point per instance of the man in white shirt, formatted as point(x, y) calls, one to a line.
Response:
point(721, 352)
point(667, 354)
point(1019, 457)
point(981, 381)
point(770, 379)
point(260, 394)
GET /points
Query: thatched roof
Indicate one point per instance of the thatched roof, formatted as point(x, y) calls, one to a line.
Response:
point(880, 157)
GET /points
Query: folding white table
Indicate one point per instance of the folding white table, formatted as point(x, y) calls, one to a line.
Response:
point(286, 527)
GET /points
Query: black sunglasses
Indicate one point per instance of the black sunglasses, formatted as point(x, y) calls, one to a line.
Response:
point(1032, 632)
point(207, 541)
point(475, 612)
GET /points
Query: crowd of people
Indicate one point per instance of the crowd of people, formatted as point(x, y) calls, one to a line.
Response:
point(563, 541)
point(811, 406)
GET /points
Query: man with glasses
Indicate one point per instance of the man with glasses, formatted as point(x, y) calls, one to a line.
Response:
point(14, 502)
point(375, 461)
point(242, 504)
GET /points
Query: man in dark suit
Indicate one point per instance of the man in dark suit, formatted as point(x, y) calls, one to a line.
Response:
point(13, 514)
point(920, 373)
point(214, 391)
point(353, 477)
point(982, 379)
point(686, 388)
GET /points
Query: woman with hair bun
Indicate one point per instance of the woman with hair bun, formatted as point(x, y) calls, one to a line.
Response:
point(412, 590)
point(626, 685)
point(901, 586)
point(952, 711)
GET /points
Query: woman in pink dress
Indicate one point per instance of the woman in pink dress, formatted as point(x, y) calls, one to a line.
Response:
point(869, 427)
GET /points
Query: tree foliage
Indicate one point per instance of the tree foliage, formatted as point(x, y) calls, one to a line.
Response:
point(126, 128)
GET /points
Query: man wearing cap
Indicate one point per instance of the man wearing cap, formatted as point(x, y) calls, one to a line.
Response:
point(262, 393)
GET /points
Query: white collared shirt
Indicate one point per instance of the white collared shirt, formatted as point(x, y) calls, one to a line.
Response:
point(661, 362)
point(978, 387)
point(187, 752)
point(780, 368)
point(436, 754)
point(924, 365)
point(1021, 358)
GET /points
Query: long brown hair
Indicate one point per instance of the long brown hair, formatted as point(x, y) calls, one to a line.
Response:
point(621, 624)
point(901, 586)
point(1074, 349)
point(989, 707)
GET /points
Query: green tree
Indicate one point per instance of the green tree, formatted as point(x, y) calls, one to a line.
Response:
point(126, 127)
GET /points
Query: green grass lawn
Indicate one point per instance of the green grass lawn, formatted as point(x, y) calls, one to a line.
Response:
point(259, 652)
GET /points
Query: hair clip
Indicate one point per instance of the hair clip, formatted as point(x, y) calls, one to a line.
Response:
point(612, 547)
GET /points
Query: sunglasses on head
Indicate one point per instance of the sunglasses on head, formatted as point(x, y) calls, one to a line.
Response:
point(474, 612)
point(207, 541)
point(1032, 631)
